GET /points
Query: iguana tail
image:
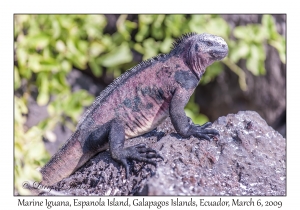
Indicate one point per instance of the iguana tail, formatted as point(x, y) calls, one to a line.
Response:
point(64, 162)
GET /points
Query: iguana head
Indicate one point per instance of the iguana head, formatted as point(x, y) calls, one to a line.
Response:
point(201, 50)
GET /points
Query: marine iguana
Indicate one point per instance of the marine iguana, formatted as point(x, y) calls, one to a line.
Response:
point(136, 103)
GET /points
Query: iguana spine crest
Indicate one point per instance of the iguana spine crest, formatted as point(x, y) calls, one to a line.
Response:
point(181, 39)
point(119, 80)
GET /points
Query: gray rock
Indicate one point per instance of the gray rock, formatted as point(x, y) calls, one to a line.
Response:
point(248, 158)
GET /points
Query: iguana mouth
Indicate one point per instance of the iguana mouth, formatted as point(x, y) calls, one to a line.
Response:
point(218, 54)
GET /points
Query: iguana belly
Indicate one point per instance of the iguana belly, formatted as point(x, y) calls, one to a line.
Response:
point(141, 125)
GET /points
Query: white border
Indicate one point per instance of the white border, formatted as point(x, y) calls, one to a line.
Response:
point(8, 8)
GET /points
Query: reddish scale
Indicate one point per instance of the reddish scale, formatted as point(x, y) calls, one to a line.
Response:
point(129, 103)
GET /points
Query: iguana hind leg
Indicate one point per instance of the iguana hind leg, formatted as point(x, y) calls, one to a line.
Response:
point(138, 152)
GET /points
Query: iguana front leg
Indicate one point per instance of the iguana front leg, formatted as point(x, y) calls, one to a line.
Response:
point(182, 124)
point(115, 132)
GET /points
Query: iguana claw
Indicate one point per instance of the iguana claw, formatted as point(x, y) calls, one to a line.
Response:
point(202, 132)
point(141, 153)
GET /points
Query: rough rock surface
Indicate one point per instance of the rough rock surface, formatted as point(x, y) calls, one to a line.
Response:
point(248, 158)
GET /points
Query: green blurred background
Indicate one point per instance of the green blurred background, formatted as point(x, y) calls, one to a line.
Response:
point(54, 54)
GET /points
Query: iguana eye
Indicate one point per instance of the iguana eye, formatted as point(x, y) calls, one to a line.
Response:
point(209, 43)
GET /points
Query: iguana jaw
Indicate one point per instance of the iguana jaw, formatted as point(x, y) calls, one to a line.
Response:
point(214, 54)
point(218, 53)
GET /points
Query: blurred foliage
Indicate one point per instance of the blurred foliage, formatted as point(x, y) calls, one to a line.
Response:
point(29, 149)
point(47, 47)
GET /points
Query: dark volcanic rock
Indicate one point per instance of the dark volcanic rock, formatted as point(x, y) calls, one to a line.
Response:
point(248, 158)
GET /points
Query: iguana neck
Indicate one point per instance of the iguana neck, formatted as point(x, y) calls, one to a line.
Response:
point(191, 60)
point(197, 64)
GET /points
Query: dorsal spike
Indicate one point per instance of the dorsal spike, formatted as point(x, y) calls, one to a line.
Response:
point(181, 39)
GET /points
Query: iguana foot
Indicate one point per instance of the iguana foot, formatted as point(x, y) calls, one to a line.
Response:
point(138, 152)
point(202, 132)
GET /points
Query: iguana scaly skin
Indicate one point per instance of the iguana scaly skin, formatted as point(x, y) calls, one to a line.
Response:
point(136, 103)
